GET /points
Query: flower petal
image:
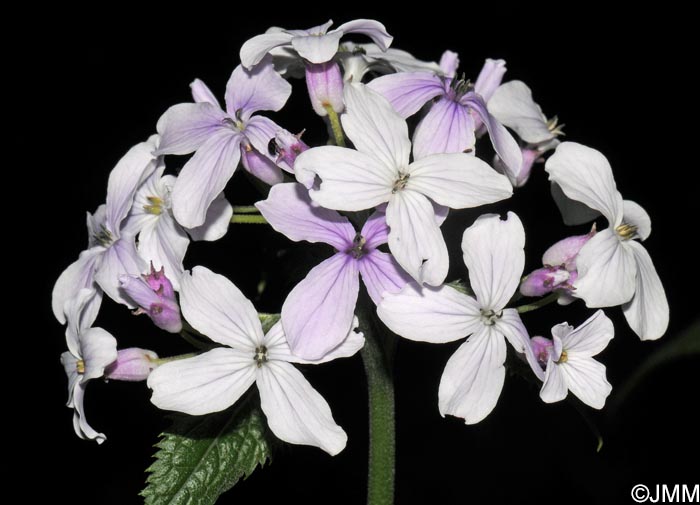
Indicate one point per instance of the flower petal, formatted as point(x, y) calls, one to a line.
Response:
point(373, 29)
point(606, 271)
point(250, 91)
point(473, 377)
point(290, 211)
point(554, 388)
point(493, 253)
point(447, 128)
point(584, 175)
point(590, 338)
point(210, 382)
point(374, 127)
point(585, 378)
point(318, 312)
point(317, 48)
point(216, 308)
point(428, 314)
point(458, 180)
point(513, 106)
point(204, 177)
point(120, 259)
point(647, 311)
point(79, 274)
point(635, 215)
point(98, 349)
point(278, 347)
point(381, 274)
point(202, 93)
point(164, 244)
point(255, 49)
point(350, 180)
point(415, 238)
point(216, 223)
point(449, 63)
point(572, 212)
point(407, 92)
point(185, 127)
point(375, 230)
point(295, 411)
point(490, 78)
point(80, 424)
point(78, 317)
point(260, 165)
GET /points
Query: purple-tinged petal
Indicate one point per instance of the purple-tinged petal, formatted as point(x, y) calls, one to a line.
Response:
point(216, 223)
point(79, 275)
point(373, 29)
point(314, 30)
point(512, 105)
point(382, 274)
point(290, 211)
point(449, 63)
point(530, 157)
point(77, 318)
point(80, 424)
point(493, 253)
point(554, 384)
point(139, 291)
point(503, 142)
point(457, 180)
point(564, 252)
point(185, 127)
point(98, 350)
point(260, 130)
point(512, 327)
point(255, 49)
point(120, 259)
point(215, 307)
point(163, 243)
point(318, 312)
point(250, 91)
point(572, 212)
point(473, 377)
point(325, 85)
point(407, 92)
point(295, 411)
point(260, 165)
point(375, 230)
point(204, 177)
point(545, 280)
point(447, 128)
point(647, 311)
point(288, 148)
point(210, 382)
point(635, 215)
point(158, 305)
point(132, 365)
point(317, 48)
point(202, 93)
point(490, 78)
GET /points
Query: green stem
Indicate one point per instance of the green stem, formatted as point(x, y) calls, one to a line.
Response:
point(380, 386)
point(539, 303)
point(162, 361)
point(245, 209)
point(248, 219)
point(335, 126)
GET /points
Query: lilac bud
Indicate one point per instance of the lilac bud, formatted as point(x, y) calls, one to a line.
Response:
point(288, 147)
point(545, 280)
point(154, 295)
point(542, 348)
point(325, 84)
point(564, 252)
point(159, 283)
point(260, 165)
point(133, 365)
point(530, 156)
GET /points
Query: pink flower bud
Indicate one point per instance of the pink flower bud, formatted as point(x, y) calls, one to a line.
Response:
point(564, 252)
point(325, 84)
point(155, 296)
point(159, 283)
point(542, 348)
point(287, 147)
point(545, 280)
point(133, 365)
point(259, 165)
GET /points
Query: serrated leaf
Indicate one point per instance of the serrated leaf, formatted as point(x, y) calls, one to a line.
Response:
point(200, 457)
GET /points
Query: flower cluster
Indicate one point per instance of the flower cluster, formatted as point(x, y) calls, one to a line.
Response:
point(378, 194)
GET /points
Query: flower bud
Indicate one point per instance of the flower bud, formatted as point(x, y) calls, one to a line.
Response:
point(154, 295)
point(325, 84)
point(132, 364)
point(545, 280)
point(287, 147)
point(542, 348)
point(260, 165)
point(564, 252)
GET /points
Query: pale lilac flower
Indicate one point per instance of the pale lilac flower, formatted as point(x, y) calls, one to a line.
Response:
point(216, 379)
point(325, 85)
point(315, 45)
point(566, 362)
point(512, 104)
point(559, 271)
point(613, 269)
point(90, 351)
point(318, 312)
point(132, 365)
point(450, 125)
point(221, 138)
point(287, 147)
point(162, 241)
point(155, 296)
point(359, 59)
point(111, 249)
point(474, 375)
point(378, 172)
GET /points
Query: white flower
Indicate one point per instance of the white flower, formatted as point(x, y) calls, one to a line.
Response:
point(473, 377)
point(613, 269)
point(566, 362)
point(379, 171)
point(90, 351)
point(215, 380)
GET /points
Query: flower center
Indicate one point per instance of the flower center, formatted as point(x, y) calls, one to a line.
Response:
point(461, 87)
point(260, 355)
point(155, 205)
point(400, 183)
point(236, 125)
point(80, 366)
point(358, 246)
point(489, 317)
point(626, 231)
point(554, 127)
point(563, 358)
point(104, 236)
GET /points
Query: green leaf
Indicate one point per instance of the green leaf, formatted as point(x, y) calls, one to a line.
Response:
point(200, 457)
point(268, 320)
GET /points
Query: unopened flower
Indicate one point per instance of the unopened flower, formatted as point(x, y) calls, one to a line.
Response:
point(474, 375)
point(378, 172)
point(325, 86)
point(132, 365)
point(154, 295)
point(565, 363)
point(613, 268)
point(320, 309)
point(216, 379)
point(287, 147)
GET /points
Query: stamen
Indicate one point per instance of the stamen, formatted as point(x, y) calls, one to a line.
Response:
point(400, 182)
point(104, 236)
point(358, 244)
point(626, 231)
point(260, 355)
point(489, 317)
point(555, 128)
point(155, 205)
point(563, 358)
point(80, 366)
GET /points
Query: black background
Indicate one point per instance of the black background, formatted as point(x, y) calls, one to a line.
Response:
point(85, 86)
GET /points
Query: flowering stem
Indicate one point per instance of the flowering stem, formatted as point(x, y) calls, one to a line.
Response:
point(380, 386)
point(245, 209)
point(335, 126)
point(539, 303)
point(162, 361)
point(248, 219)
